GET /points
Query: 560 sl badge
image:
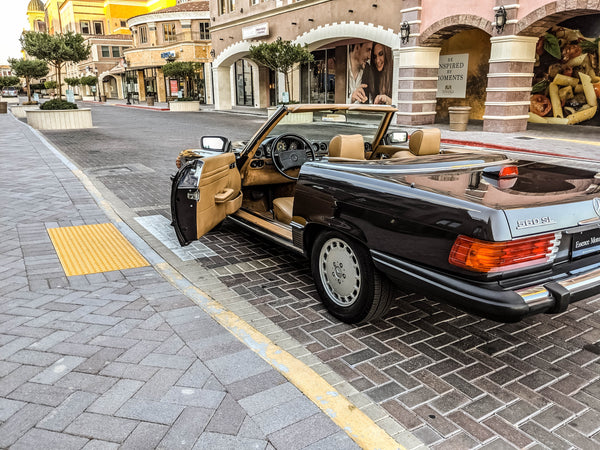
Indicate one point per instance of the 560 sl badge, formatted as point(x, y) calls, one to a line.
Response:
point(535, 222)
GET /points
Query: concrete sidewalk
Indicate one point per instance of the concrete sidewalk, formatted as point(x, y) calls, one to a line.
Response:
point(123, 358)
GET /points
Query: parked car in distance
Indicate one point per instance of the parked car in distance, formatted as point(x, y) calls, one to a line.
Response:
point(500, 238)
point(10, 92)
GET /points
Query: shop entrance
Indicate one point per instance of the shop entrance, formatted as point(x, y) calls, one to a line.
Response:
point(244, 77)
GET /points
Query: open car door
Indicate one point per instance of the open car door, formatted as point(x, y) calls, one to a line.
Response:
point(203, 193)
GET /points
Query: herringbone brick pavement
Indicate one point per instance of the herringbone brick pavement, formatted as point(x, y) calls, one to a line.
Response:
point(119, 359)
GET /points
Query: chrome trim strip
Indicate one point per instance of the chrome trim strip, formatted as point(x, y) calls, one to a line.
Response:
point(536, 296)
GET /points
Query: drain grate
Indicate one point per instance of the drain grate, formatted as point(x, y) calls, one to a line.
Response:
point(124, 169)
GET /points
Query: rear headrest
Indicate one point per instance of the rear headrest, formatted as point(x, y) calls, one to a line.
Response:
point(425, 142)
point(351, 146)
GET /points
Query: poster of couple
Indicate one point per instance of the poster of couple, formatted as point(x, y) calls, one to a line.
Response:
point(369, 73)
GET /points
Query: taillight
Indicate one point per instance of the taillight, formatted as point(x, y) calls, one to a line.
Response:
point(508, 172)
point(483, 256)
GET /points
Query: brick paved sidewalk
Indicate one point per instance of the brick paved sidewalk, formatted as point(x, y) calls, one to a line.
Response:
point(122, 358)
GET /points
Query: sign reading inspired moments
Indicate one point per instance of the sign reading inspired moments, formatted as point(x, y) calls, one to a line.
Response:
point(452, 76)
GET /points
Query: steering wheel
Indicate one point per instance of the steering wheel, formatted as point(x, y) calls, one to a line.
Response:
point(291, 158)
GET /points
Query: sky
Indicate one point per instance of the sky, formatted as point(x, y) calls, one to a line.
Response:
point(13, 19)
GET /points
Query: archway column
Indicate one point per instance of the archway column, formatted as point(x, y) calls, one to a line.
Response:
point(509, 83)
point(417, 69)
point(222, 85)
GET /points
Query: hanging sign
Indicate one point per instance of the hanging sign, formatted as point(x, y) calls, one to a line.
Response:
point(452, 76)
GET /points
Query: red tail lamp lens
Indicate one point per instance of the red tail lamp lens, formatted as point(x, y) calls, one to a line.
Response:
point(483, 256)
point(508, 172)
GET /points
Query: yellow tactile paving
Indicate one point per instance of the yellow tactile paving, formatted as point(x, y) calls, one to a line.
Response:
point(88, 249)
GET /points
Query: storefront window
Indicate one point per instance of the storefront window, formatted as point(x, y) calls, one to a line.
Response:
point(243, 81)
point(318, 78)
point(150, 81)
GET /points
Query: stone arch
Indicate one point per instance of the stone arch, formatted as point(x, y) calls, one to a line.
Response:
point(449, 26)
point(232, 53)
point(538, 21)
point(348, 30)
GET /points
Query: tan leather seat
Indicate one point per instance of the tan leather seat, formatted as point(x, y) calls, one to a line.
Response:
point(350, 146)
point(425, 142)
point(283, 208)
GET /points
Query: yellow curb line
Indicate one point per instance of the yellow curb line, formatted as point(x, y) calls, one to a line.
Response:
point(352, 420)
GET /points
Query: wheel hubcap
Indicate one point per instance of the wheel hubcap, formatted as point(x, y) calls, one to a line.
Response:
point(340, 272)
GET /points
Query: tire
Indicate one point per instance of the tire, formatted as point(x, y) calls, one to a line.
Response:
point(350, 286)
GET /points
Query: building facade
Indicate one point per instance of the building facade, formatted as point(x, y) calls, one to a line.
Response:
point(179, 33)
point(103, 23)
point(481, 53)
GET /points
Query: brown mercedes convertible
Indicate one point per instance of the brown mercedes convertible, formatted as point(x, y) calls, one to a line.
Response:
point(498, 237)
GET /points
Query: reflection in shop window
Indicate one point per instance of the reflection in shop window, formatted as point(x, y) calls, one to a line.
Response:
point(317, 79)
point(243, 82)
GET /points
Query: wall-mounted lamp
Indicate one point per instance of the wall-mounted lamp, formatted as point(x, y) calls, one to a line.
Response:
point(500, 19)
point(405, 32)
point(212, 52)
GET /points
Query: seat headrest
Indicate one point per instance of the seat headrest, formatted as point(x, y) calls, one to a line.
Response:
point(351, 146)
point(425, 142)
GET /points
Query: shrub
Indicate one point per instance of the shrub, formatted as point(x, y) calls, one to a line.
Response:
point(58, 104)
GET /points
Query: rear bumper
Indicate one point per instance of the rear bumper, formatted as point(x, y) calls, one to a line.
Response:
point(490, 300)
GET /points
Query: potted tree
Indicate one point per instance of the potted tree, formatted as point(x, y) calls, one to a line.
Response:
point(188, 72)
point(281, 56)
point(90, 81)
point(57, 50)
point(29, 69)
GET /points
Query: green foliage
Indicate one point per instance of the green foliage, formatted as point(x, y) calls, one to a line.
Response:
point(73, 81)
point(589, 46)
point(552, 46)
point(28, 69)
point(57, 104)
point(56, 49)
point(180, 69)
point(90, 80)
point(9, 81)
point(50, 84)
point(280, 56)
point(37, 86)
point(540, 87)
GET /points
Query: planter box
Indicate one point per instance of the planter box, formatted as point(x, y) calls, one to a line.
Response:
point(305, 117)
point(19, 110)
point(66, 119)
point(184, 106)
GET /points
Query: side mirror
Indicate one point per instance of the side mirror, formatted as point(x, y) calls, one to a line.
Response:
point(396, 137)
point(215, 143)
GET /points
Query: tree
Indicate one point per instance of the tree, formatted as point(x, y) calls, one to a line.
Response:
point(28, 69)
point(280, 56)
point(9, 81)
point(73, 81)
point(187, 70)
point(56, 49)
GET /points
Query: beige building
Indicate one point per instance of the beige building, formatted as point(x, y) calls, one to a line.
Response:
point(178, 33)
point(485, 54)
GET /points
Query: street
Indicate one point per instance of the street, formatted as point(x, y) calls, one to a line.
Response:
point(453, 380)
